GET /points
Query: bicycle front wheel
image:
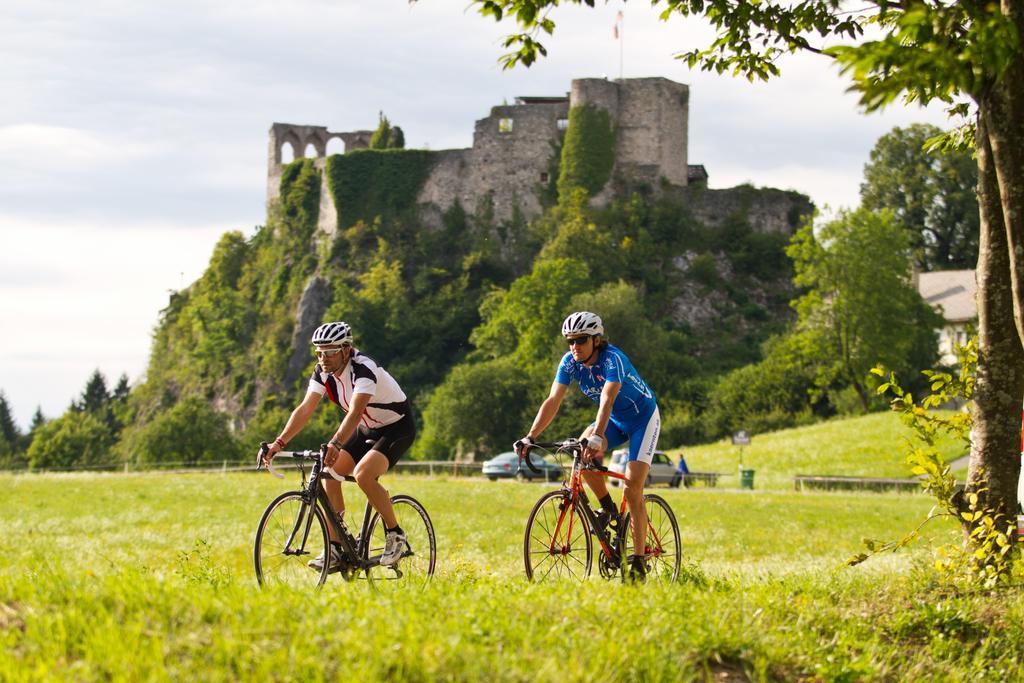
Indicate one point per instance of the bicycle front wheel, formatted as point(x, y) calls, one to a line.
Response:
point(416, 566)
point(661, 546)
point(291, 535)
point(557, 542)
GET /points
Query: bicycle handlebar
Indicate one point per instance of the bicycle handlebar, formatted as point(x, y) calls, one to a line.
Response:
point(572, 445)
point(261, 460)
point(575, 446)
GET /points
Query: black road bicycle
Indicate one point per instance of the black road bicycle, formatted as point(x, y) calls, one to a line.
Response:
point(294, 530)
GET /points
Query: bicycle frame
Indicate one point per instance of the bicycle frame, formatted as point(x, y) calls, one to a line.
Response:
point(354, 550)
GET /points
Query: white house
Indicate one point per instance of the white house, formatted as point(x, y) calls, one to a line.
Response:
point(952, 292)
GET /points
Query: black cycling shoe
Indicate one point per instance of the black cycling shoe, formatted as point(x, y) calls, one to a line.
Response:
point(606, 519)
point(637, 571)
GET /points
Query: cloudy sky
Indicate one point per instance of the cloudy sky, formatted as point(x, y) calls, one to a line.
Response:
point(132, 135)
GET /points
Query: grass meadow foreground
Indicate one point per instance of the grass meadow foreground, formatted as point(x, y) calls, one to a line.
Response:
point(149, 577)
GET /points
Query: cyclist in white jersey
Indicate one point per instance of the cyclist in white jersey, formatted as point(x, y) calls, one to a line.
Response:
point(377, 430)
point(627, 413)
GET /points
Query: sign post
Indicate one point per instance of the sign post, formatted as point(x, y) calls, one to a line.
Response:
point(741, 439)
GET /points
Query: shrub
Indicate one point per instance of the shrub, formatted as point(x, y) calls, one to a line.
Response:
point(191, 432)
point(74, 439)
point(481, 407)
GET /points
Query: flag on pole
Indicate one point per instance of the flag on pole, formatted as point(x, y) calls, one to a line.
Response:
point(618, 22)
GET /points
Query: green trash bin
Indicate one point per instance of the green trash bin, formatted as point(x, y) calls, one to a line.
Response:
point(746, 478)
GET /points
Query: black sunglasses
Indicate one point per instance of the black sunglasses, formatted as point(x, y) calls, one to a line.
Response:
point(573, 341)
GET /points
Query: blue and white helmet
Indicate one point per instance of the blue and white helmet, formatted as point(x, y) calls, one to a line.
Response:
point(582, 322)
point(330, 334)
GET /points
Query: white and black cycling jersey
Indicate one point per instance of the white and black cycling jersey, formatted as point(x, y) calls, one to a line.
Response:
point(362, 375)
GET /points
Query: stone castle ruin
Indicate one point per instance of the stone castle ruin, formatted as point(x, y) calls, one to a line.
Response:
point(513, 147)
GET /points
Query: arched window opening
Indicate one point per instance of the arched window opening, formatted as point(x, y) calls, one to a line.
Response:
point(287, 152)
point(310, 151)
point(335, 146)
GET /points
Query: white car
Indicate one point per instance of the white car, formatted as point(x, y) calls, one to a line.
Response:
point(663, 471)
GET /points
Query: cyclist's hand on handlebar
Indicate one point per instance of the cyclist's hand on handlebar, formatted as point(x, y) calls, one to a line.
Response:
point(267, 451)
point(523, 445)
point(333, 451)
point(594, 447)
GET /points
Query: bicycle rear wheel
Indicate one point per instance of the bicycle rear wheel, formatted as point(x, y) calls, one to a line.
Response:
point(661, 548)
point(290, 535)
point(557, 542)
point(416, 567)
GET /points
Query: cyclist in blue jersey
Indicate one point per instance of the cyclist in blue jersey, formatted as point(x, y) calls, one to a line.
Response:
point(627, 411)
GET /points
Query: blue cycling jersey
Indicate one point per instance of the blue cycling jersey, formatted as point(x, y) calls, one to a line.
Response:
point(635, 398)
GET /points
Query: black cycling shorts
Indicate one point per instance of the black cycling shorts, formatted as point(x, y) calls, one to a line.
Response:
point(392, 440)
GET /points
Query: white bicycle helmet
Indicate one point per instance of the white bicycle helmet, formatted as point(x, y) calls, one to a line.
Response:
point(582, 322)
point(329, 334)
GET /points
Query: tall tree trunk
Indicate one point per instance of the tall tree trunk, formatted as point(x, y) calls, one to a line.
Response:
point(1001, 109)
point(994, 466)
point(995, 445)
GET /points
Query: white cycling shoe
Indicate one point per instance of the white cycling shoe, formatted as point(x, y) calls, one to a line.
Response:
point(317, 562)
point(395, 546)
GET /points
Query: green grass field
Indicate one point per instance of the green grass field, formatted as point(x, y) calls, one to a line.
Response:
point(149, 577)
point(873, 445)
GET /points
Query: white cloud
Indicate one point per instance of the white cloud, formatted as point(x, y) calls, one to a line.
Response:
point(80, 297)
point(35, 145)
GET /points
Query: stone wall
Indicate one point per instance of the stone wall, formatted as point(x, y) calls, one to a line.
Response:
point(651, 116)
point(327, 217)
point(508, 163)
point(765, 209)
point(652, 135)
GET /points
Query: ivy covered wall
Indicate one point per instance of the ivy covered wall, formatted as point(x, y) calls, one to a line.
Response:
point(588, 152)
point(366, 183)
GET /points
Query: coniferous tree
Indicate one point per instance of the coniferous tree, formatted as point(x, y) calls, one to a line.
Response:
point(387, 136)
point(38, 420)
point(95, 396)
point(397, 140)
point(382, 136)
point(118, 409)
point(120, 392)
point(8, 429)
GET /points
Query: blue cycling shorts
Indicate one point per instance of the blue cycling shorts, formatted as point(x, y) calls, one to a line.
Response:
point(641, 433)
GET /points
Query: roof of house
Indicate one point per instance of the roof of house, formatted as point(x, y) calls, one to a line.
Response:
point(953, 291)
point(527, 99)
point(696, 173)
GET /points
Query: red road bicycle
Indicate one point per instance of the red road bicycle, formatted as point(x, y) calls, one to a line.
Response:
point(562, 525)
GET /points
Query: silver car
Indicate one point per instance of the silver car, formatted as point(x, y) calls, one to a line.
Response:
point(663, 471)
point(507, 465)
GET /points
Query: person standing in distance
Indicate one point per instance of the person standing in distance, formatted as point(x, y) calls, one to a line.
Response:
point(377, 430)
point(626, 410)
